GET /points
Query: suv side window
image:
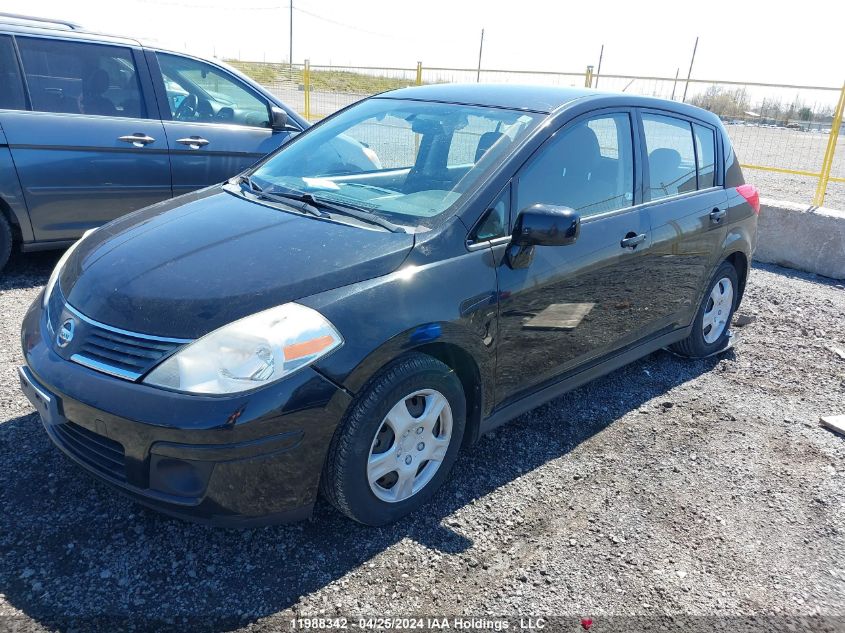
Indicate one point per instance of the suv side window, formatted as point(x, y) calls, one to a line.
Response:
point(81, 78)
point(200, 93)
point(705, 151)
point(671, 157)
point(11, 96)
point(588, 166)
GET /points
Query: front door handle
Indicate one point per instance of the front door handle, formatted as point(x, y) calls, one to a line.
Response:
point(138, 139)
point(194, 142)
point(632, 240)
point(717, 214)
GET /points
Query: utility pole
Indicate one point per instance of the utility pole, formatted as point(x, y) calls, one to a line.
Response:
point(674, 85)
point(480, 50)
point(290, 58)
point(689, 74)
point(598, 70)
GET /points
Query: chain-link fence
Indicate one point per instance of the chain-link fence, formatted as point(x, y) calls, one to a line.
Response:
point(787, 136)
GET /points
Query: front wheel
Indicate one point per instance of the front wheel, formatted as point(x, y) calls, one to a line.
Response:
point(711, 328)
point(398, 442)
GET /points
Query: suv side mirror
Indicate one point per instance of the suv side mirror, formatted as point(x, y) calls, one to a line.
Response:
point(279, 119)
point(546, 225)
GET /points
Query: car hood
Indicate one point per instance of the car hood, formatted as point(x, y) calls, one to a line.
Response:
point(185, 267)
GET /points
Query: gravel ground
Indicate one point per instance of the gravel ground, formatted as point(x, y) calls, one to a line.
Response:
point(667, 487)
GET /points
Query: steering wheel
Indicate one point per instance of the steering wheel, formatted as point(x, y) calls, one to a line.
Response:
point(188, 108)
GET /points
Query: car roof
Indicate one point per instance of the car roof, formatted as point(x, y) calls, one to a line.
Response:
point(543, 99)
point(46, 29)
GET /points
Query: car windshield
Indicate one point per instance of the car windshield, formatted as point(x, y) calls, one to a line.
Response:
point(409, 162)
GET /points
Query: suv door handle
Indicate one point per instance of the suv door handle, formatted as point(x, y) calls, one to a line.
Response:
point(717, 214)
point(194, 142)
point(138, 139)
point(632, 240)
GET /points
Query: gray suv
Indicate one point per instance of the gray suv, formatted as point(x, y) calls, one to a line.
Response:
point(93, 126)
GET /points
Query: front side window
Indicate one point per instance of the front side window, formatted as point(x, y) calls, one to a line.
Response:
point(588, 166)
point(11, 95)
point(81, 78)
point(705, 150)
point(407, 161)
point(200, 93)
point(671, 157)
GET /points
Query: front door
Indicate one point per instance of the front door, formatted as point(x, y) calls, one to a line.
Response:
point(575, 303)
point(216, 125)
point(91, 149)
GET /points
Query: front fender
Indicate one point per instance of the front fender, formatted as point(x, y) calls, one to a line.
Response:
point(451, 303)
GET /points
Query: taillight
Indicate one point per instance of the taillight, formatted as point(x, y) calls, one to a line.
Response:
point(751, 195)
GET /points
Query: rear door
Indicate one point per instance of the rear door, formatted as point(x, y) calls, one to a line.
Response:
point(575, 304)
point(686, 203)
point(216, 124)
point(92, 147)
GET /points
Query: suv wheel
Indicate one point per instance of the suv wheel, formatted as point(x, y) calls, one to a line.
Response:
point(5, 241)
point(398, 441)
point(711, 327)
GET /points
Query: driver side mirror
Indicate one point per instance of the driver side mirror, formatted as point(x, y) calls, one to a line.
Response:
point(541, 225)
point(279, 119)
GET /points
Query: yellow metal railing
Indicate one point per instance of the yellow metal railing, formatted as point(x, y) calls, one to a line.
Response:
point(827, 163)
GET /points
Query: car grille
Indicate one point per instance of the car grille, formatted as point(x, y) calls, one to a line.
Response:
point(94, 450)
point(126, 355)
point(107, 349)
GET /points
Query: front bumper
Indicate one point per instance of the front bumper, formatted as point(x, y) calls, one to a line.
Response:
point(241, 460)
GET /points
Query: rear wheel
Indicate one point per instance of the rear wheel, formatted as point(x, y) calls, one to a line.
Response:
point(397, 443)
point(711, 327)
point(5, 241)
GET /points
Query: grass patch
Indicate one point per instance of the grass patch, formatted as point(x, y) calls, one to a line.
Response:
point(321, 80)
point(347, 81)
point(260, 72)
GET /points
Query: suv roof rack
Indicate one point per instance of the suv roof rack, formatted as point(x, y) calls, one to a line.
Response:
point(64, 24)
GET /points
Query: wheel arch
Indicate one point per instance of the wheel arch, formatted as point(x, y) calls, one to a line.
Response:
point(739, 261)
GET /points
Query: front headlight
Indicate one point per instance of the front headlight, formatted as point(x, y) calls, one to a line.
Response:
point(249, 353)
point(54, 276)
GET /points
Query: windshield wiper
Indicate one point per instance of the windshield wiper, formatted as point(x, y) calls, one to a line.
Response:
point(305, 205)
point(342, 208)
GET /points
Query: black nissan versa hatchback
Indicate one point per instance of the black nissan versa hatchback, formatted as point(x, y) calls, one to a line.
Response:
point(309, 325)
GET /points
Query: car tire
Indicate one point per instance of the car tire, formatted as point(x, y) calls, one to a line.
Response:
point(394, 447)
point(711, 327)
point(5, 241)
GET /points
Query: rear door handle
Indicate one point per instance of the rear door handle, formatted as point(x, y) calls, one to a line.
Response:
point(717, 214)
point(194, 142)
point(632, 240)
point(138, 139)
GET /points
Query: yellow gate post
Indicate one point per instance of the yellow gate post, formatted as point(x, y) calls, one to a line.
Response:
point(419, 74)
point(306, 85)
point(588, 77)
point(827, 163)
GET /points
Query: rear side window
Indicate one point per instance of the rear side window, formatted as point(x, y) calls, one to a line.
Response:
point(588, 167)
point(671, 157)
point(11, 95)
point(705, 150)
point(81, 78)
